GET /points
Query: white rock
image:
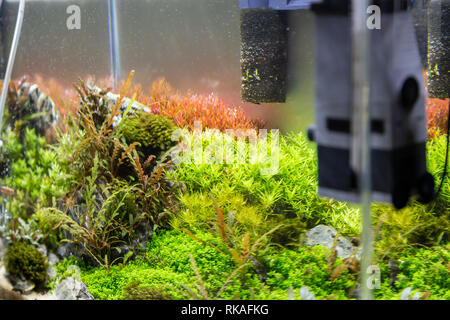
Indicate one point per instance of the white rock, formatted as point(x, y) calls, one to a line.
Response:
point(417, 296)
point(53, 259)
point(72, 289)
point(306, 294)
point(405, 293)
point(324, 236)
point(42, 249)
point(51, 271)
point(24, 286)
point(3, 247)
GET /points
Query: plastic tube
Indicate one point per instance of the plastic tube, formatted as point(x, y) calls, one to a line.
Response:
point(361, 134)
point(12, 56)
point(114, 47)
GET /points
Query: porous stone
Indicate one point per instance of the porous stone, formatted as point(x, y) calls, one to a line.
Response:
point(21, 285)
point(51, 271)
point(306, 294)
point(72, 289)
point(260, 269)
point(3, 247)
point(42, 249)
point(324, 236)
point(405, 293)
point(65, 250)
point(53, 259)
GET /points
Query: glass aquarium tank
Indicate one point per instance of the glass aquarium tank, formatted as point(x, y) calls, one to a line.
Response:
point(163, 150)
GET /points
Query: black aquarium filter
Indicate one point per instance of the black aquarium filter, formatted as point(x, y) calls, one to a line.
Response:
point(397, 107)
point(397, 101)
point(263, 55)
point(264, 48)
point(419, 10)
point(439, 49)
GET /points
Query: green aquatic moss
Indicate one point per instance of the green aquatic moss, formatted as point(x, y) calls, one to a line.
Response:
point(113, 285)
point(307, 267)
point(25, 260)
point(166, 269)
point(153, 132)
point(136, 291)
point(213, 266)
point(424, 270)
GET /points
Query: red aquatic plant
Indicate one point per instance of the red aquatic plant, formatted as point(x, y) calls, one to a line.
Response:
point(160, 98)
point(437, 116)
point(186, 109)
point(65, 99)
point(211, 111)
point(437, 112)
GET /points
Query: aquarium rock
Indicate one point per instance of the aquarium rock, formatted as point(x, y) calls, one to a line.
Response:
point(306, 294)
point(135, 106)
point(3, 247)
point(72, 289)
point(126, 102)
point(42, 249)
point(53, 259)
point(51, 271)
point(406, 294)
point(112, 99)
point(65, 250)
point(260, 269)
point(355, 292)
point(30, 105)
point(21, 285)
point(324, 236)
point(394, 271)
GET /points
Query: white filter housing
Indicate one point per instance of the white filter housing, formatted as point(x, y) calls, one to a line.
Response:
point(397, 110)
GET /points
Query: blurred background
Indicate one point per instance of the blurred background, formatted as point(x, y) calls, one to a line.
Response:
point(194, 44)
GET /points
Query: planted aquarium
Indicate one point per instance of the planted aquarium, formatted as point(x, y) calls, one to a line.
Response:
point(224, 150)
